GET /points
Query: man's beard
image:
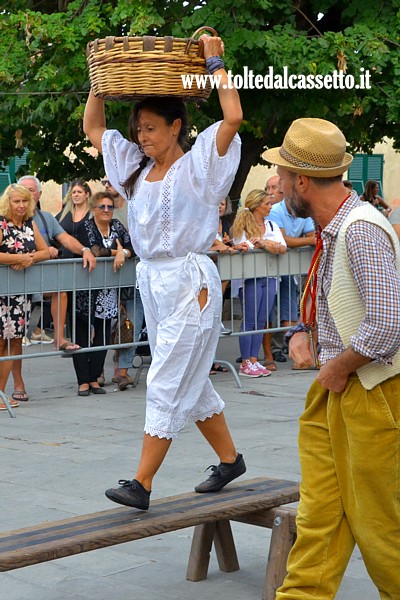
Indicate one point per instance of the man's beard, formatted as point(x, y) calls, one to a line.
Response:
point(298, 205)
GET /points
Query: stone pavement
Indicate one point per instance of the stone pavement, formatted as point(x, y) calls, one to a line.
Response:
point(62, 451)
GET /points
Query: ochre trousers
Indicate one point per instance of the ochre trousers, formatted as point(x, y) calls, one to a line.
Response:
point(349, 446)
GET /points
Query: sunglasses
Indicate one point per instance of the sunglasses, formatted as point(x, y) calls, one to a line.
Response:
point(105, 182)
point(105, 207)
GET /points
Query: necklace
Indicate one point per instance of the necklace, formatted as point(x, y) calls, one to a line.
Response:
point(105, 234)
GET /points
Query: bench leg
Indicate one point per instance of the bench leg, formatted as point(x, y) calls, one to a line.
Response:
point(204, 535)
point(199, 557)
point(225, 547)
point(282, 541)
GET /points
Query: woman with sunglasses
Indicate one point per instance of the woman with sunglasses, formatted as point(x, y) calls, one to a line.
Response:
point(95, 310)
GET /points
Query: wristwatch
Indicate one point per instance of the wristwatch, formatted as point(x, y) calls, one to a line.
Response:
point(126, 252)
point(85, 248)
point(298, 328)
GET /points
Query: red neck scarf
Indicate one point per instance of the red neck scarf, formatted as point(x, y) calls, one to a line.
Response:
point(310, 288)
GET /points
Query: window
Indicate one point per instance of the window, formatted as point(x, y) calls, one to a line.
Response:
point(10, 174)
point(365, 167)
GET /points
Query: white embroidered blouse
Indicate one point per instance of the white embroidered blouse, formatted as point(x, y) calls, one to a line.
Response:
point(179, 214)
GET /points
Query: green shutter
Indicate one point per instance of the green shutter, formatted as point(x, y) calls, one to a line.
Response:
point(4, 180)
point(10, 174)
point(365, 167)
point(19, 161)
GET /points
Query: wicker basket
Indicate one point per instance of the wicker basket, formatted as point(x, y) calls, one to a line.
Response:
point(130, 68)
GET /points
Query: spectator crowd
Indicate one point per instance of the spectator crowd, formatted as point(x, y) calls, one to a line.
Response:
point(92, 225)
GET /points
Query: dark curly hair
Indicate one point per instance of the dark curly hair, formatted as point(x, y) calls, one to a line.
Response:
point(167, 107)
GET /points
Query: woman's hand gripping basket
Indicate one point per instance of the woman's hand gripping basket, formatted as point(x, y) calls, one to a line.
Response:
point(130, 68)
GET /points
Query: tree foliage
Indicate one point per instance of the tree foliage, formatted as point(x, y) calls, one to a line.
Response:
point(44, 80)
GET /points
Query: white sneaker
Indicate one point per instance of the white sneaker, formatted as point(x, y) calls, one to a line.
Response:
point(26, 341)
point(250, 370)
point(41, 338)
point(265, 372)
point(225, 330)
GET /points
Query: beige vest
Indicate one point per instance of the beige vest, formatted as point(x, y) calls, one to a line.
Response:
point(344, 301)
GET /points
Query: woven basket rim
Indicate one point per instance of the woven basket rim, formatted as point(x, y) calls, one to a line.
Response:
point(120, 38)
point(112, 57)
point(167, 39)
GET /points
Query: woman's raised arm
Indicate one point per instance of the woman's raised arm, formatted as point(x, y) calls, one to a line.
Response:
point(94, 120)
point(228, 96)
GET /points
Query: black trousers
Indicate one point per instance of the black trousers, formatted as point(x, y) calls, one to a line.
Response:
point(89, 365)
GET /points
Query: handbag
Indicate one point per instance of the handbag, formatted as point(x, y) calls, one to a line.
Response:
point(124, 329)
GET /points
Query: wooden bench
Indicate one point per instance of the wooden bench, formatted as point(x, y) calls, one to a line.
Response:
point(254, 501)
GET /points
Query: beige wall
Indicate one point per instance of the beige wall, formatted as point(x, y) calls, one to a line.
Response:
point(391, 173)
point(52, 200)
point(391, 170)
point(52, 197)
point(257, 178)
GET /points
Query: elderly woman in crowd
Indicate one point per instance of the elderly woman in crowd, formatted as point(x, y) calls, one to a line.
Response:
point(173, 218)
point(95, 309)
point(21, 245)
point(257, 295)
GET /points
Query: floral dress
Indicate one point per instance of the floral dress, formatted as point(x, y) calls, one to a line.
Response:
point(102, 304)
point(15, 310)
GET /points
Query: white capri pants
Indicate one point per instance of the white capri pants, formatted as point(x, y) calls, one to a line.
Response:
point(183, 341)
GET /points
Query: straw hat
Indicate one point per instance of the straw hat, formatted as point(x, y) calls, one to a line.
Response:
point(312, 147)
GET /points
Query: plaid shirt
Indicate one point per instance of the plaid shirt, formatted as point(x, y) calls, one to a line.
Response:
point(372, 262)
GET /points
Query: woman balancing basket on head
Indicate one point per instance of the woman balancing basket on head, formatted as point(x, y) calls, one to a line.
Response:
point(173, 200)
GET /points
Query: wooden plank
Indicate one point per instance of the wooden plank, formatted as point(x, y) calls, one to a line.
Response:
point(282, 540)
point(50, 541)
point(225, 547)
point(265, 518)
point(220, 533)
point(199, 557)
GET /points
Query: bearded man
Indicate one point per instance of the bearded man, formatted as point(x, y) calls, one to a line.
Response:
point(349, 438)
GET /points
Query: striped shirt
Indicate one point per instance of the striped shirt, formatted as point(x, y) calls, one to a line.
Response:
point(373, 265)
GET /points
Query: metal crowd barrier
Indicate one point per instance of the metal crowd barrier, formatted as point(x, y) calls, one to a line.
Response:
point(68, 275)
point(256, 264)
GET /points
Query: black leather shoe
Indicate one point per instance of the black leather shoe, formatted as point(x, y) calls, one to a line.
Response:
point(279, 356)
point(97, 390)
point(221, 475)
point(83, 392)
point(131, 493)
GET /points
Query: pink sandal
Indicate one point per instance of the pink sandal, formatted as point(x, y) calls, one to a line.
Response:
point(12, 403)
